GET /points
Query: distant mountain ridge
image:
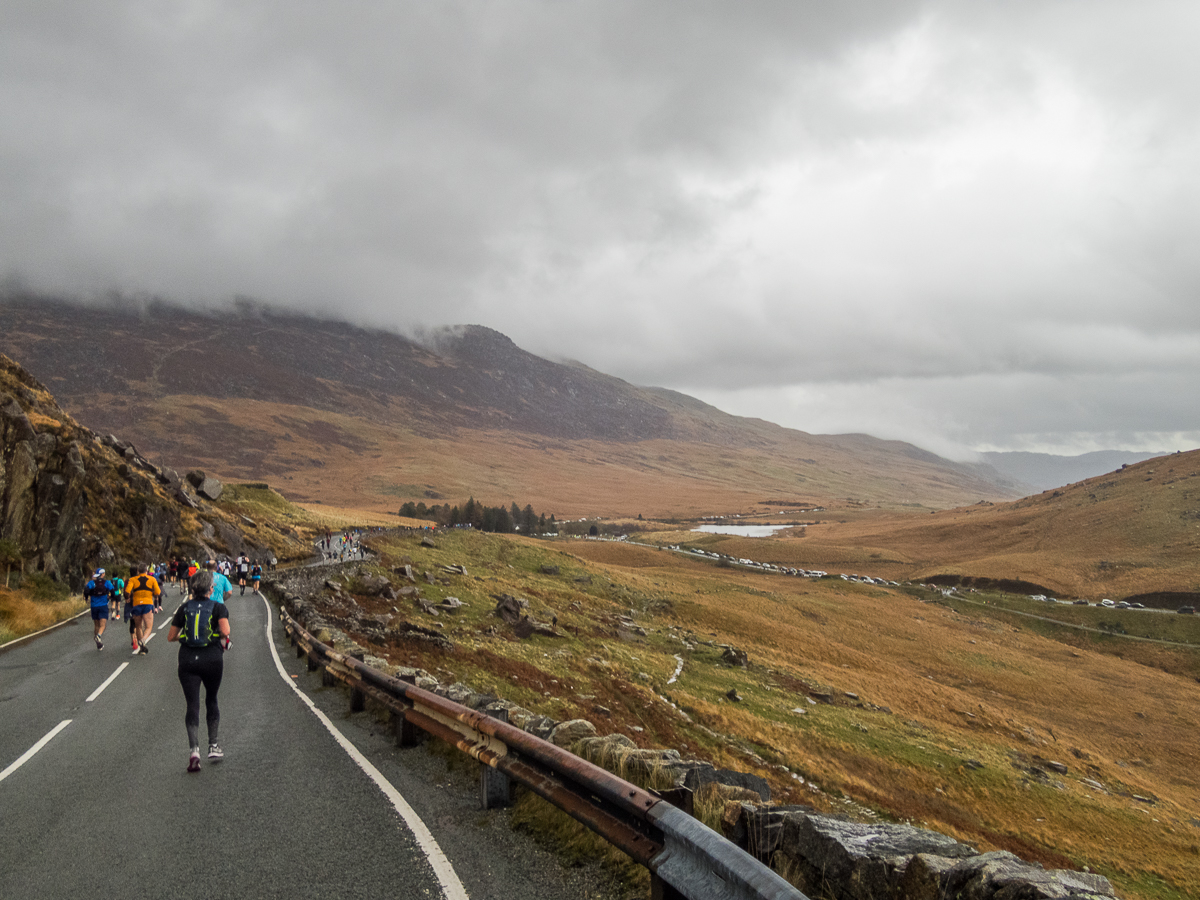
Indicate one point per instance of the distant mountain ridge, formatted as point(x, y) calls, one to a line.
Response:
point(1044, 471)
point(338, 410)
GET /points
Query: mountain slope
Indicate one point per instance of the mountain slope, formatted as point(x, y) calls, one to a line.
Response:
point(338, 413)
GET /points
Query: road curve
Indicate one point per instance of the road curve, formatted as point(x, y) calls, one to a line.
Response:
point(95, 799)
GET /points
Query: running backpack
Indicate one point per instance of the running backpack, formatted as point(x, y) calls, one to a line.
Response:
point(198, 630)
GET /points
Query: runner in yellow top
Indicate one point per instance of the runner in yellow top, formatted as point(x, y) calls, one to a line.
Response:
point(143, 593)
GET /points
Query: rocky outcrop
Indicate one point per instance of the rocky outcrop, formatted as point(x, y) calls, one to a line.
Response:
point(43, 493)
point(70, 500)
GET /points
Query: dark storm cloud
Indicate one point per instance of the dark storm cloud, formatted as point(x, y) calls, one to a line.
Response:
point(826, 214)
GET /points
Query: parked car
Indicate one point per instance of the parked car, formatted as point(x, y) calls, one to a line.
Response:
point(1187, 610)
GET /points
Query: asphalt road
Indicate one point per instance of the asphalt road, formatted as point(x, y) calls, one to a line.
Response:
point(106, 807)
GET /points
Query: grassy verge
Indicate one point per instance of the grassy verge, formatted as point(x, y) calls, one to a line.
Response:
point(22, 613)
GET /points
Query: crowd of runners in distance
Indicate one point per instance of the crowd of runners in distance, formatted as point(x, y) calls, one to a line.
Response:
point(344, 546)
point(143, 592)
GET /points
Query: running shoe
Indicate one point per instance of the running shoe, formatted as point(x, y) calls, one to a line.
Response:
point(194, 760)
point(144, 651)
point(215, 752)
point(99, 643)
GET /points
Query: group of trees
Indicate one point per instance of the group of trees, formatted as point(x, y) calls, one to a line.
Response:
point(497, 519)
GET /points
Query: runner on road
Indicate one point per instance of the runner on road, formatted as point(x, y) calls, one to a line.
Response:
point(255, 575)
point(144, 592)
point(243, 571)
point(114, 598)
point(222, 589)
point(97, 592)
point(202, 628)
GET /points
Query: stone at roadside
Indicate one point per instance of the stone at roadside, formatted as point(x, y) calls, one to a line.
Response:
point(538, 726)
point(733, 695)
point(924, 877)
point(549, 570)
point(426, 542)
point(1002, 874)
point(701, 773)
point(567, 733)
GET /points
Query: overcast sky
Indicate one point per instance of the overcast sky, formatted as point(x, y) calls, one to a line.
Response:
point(968, 225)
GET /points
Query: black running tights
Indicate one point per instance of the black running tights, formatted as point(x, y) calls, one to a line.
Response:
point(201, 667)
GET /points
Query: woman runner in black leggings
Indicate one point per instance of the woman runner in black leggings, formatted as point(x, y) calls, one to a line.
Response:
point(202, 666)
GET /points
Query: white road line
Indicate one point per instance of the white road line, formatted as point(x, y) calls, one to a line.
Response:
point(96, 693)
point(28, 754)
point(452, 888)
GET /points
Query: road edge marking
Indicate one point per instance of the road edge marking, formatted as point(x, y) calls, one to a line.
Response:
point(28, 754)
point(452, 887)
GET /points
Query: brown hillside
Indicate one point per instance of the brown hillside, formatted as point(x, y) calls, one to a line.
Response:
point(339, 414)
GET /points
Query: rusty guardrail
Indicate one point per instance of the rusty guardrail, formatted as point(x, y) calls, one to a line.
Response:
point(686, 859)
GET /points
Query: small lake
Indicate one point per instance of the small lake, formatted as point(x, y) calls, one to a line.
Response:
point(742, 530)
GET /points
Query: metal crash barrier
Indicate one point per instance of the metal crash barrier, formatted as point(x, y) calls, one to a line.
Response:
point(686, 859)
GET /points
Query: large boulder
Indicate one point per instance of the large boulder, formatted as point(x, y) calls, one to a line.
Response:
point(210, 488)
point(856, 861)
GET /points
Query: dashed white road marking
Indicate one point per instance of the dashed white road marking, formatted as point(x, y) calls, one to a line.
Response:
point(452, 888)
point(109, 680)
point(28, 754)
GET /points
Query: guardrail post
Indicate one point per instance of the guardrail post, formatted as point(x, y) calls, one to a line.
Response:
point(358, 700)
point(327, 679)
point(313, 662)
point(681, 797)
point(299, 648)
point(407, 734)
point(495, 788)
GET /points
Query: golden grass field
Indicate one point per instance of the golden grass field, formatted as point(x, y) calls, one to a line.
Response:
point(958, 709)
